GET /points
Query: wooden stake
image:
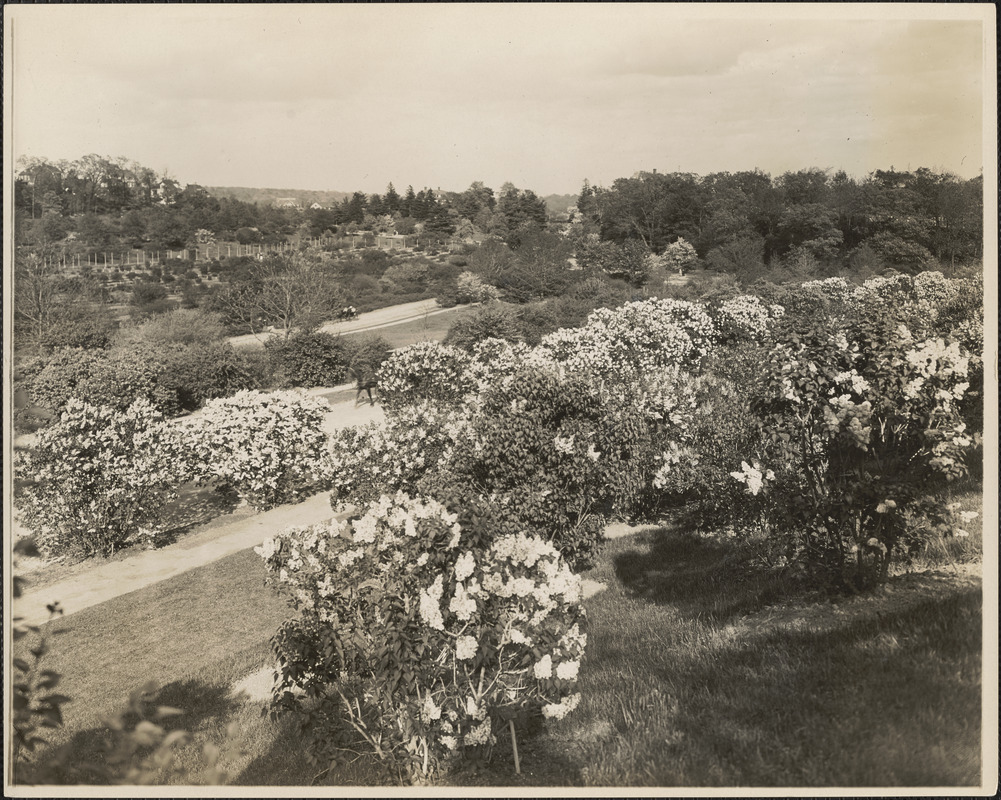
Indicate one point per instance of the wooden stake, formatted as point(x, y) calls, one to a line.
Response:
point(514, 747)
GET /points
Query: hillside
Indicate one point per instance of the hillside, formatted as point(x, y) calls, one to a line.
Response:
point(556, 204)
point(305, 197)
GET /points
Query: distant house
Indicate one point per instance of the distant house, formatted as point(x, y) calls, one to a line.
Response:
point(287, 202)
point(316, 205)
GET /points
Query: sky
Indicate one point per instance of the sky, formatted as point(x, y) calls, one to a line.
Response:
point(352, 97)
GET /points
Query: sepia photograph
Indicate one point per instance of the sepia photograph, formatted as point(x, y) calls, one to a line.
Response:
point(500, 399)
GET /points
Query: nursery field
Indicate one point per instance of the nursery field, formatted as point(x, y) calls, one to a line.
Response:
point(684, 684)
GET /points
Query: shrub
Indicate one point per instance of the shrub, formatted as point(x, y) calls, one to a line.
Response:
point(496, 361)
point(372, 460)
point(182, 326)
point(100, 478)
point(636, 338)
point(269, 446)
point(198, 373)
point(52, 386)
point(308, 359)
point(125, 374)
point(860, 432)
point(556, 455)
point(492, 321)
point(425, 371)
point(744, 317)
point(89, 331)
point(446, 630)
point(471, 288)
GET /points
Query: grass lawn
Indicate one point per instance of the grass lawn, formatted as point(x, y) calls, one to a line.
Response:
point(700, 671)
point(427, 328)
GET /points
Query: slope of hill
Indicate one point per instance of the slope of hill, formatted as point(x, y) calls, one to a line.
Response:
point(266, 197)
point(556, 204)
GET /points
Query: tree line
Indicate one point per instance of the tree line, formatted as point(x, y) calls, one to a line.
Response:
point(99, 203)
point(740, 221)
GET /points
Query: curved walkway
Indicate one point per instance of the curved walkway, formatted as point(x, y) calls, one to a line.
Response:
point(105, 581)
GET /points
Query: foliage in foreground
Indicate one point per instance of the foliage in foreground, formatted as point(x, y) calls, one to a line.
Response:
point(429, 632)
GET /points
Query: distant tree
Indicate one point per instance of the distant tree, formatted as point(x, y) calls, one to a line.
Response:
point(521, 212)
point(287, 291)
point(248, 235)
point(94, 230)
point(679, 257)
point(627, 261)
point(812, 226)
point(587, 209)
point(391, 200)
point(472, 201)
point(438, 225)
point(408, 202)
point(654, 208)
point(743, 258)
point(36, 295)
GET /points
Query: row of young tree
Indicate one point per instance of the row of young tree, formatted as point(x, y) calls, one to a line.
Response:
point(737, 221)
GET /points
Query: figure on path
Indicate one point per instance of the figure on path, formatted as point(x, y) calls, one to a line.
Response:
point(365, 381)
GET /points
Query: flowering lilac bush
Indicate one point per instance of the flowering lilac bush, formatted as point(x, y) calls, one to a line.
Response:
point(495, 361)
point(745, 317)
point(428, 632)
point(425, 371)
point(623, 343)
point(269, 446)
point(860, 430)
point(100, 478)
point(371, 460)
point(556, 452)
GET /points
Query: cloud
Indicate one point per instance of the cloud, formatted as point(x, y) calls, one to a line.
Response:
point(351, 96)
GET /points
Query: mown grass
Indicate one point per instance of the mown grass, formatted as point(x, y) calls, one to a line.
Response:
point(701, 671)
point(431, 327)
point(681, 692)
point(213, 622)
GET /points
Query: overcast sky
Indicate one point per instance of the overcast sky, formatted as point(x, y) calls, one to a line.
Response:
point(543, 95)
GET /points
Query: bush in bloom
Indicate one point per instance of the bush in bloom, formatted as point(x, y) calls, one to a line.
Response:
point(100, 478)
point(269, 446)
point(623, 343)
point(679, 256)
point(371, 460)
point(495, 361)
point(558, 454)
point(744, 317)
point(472, 289)
point(860, 429)
point(428, 631)
point(425, 371)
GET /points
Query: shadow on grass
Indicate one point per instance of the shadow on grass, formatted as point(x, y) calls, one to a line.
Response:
point(285, 760)
point(196, 505)
point(84, 758)
point(543, 763)
point(890, 700)
point(700, 577)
